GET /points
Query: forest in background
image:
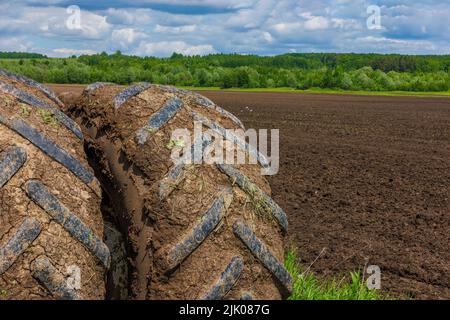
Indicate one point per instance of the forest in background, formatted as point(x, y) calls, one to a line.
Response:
point(372, 72)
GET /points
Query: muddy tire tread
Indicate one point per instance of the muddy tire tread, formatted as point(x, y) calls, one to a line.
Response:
point(47, 274)
point(130, 92)
point(10, 162)
point(255, 192)
point(14, 161)
point(27, 232)
point(201, 231)
point(37, 192)
point(260, 251)
point(34, 101)
point(49, 147)
point(226, 281)
point(34, 84)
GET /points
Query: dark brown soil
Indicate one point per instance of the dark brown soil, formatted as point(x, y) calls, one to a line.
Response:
point(364, 180)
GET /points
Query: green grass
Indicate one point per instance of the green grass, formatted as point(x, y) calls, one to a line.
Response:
point(309, 287)
point(48, 117)
point(380, 93)
point(328, 91)
point(241, 89)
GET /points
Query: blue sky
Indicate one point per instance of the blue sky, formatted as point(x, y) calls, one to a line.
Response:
point(265, 27)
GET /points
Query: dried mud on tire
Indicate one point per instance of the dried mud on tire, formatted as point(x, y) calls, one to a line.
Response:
point(193, 231)
point(51, 227)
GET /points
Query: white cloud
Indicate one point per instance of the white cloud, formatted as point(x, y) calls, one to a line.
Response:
point(180, 29)
point(65, 52)
point(380, 44)
point(287, 27)
point(252, 17)
point(316, 23)
point(52, 22)
point(226, 4)
point(347, 24)
point(92, 26)
point(268, 37)
point(14, 44)
point(129, 16)
point(245, 26)
point(166, 48)
point(126, 37)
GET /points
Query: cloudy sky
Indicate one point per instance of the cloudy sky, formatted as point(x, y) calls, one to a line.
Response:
point(266, 27)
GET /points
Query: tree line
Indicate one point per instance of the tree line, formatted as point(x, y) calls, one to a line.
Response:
point(373, 72)
point(21, 55)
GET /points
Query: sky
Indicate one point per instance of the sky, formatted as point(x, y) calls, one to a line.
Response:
point(197, 27)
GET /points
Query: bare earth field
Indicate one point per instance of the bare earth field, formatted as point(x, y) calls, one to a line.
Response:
point(364, 179)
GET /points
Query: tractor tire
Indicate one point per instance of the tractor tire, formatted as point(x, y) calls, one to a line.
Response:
point(193, 231)
point(51, 226)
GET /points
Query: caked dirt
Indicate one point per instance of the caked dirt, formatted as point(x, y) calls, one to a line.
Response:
point(364, 180)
